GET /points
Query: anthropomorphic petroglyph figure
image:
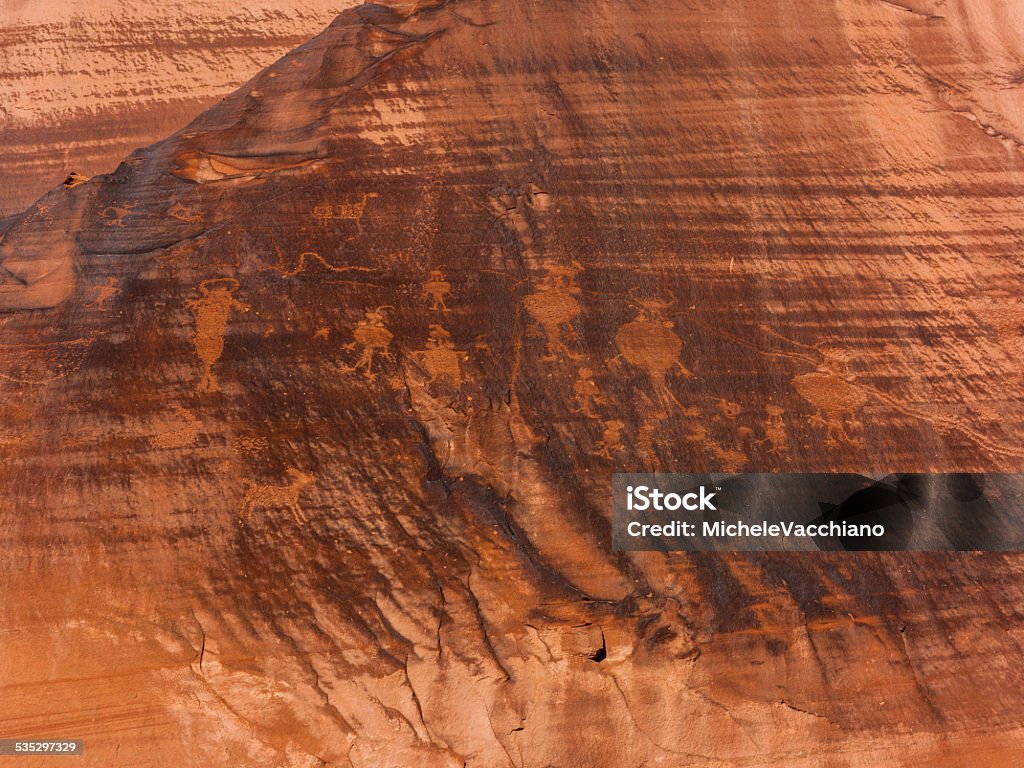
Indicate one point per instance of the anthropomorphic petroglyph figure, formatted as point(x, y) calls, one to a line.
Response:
point(212, 310)
point(774, 430)
point(266, 496)
point(104, 293)
point(649, 343)
point(836, 397)
point(611, 440)
point(836, 402)
point(437, 289)
point(373, 339)
point(440, 358)
point(587, 394)
point(553, 307)
point(114, 215)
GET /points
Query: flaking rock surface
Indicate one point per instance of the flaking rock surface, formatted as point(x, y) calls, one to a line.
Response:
point(310, 411)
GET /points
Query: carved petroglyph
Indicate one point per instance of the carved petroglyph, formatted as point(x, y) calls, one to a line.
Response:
point(183, 213)
point(835, 398)
point(372, 338)
point(42, 363)
point(437, 289)
point(41, 212)
point(183, 435)
point(104, 293)
point(726, 459)
point(114, 215)
point(250, 446)
point(352, 211)
point(441, 360)
point(836, 402)
point(212, 310)
point(266, 496)
point(649, 343)
point(587, 394)
point(774, 430)
point(727, 409)
point(611, 440)
point(838, 397)
point(284, 269)
point(553, 307)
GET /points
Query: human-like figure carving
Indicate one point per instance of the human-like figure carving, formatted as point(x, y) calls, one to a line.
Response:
point(554, 308)
point(437, 289)
point(373, 339)
point(648, 342)
point(441, 360)
point(212, 310)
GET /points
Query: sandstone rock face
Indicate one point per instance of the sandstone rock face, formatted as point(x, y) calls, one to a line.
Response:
point(310, 411)
point(85, 83)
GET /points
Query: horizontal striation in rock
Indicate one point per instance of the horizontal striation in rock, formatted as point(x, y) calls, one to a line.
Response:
point(311, 409)
point(81, 88)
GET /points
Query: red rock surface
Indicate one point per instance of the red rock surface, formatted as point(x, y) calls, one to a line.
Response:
point(310, 411)
point(85, 83)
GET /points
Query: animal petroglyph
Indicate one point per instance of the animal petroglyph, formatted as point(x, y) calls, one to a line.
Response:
point(437, 289)
point(441, 360)
point(305, 259)
point(587, 394)
point(326, 212)
point(372, 338)
point(182, 213)
point(182, 436)
point(554, 308)
point(266, 496)
point(42, 363)
point(649, 343)
point(104, 293)
point(114, 215)
point(212, 310)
